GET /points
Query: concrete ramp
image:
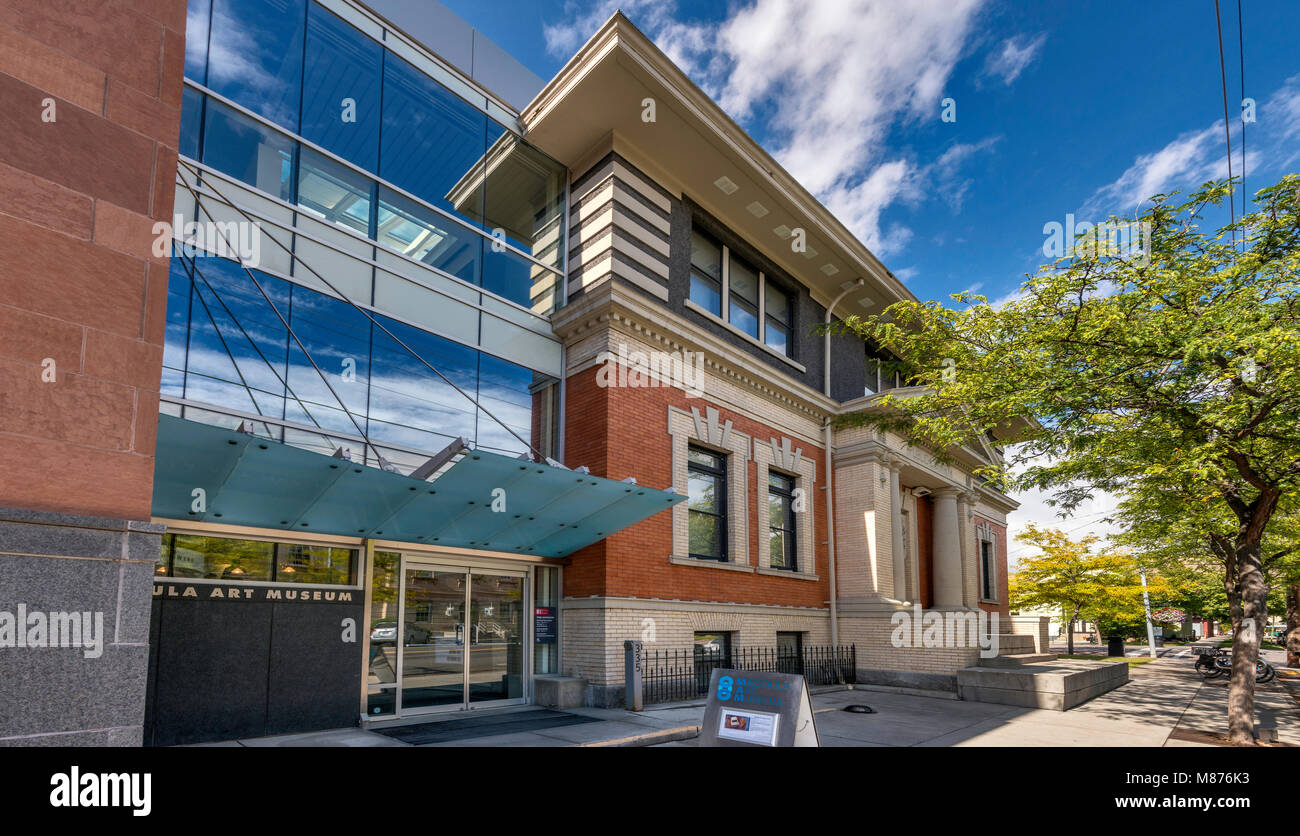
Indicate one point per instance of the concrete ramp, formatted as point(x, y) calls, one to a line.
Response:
point(1059, 684)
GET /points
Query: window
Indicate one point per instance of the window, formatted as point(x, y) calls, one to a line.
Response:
point(225, 558)
point(988, 571)
point(334, 193)
point(248, 151)
point(712, 650)
point(740, 295)
point(425, 236)
point(706, 273)
point(707, 489)
point(340, 94)
point(256, 56)
point(776, 316)
point(882, 372)
point(742, 281)
point(780, 520)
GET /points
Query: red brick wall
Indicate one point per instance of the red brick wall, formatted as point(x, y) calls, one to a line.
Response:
point(1000, 537)
point(77, 282)
point(621, 432)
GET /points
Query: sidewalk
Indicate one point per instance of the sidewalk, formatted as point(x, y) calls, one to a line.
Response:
point(1165, 703)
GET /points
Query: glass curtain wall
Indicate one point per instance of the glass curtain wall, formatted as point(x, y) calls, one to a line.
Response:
point(308, 71)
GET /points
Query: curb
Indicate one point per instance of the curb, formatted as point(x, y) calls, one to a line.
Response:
point(647, 739)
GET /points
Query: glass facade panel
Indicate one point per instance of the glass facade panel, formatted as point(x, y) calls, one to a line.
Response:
point(340, 92)
point(198, 13)
point(247, 151)
point(191, 124)
point(432, 639)
point(381, 679)
point(425, 236)
point(496, 636)
point(334, 193)
point(255, 56)
point(432, 141)
point(226, 347)
point(223, 558)
point(296, 563)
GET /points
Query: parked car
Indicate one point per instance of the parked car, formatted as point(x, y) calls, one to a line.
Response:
point(386, 631)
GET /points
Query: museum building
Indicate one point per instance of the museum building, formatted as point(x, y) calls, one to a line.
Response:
point(448, 381)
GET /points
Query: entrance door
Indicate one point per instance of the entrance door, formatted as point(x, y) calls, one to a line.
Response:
point(462, 638)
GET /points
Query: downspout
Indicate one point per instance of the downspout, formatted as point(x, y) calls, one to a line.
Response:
point(830, 537)
point(830, 470)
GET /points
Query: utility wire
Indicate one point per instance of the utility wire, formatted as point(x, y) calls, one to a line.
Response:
point(1241, 50)
point(1223, 77)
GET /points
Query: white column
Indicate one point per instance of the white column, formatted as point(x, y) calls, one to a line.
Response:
point(896, 546)
point(947, 549)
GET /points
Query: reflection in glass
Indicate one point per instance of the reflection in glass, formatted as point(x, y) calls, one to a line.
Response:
point(340, 94)
point(333, 193)
point(432, 638)
point(496, 627)
point(191, 122)
point(247, 151)
point(256, 56)
point(546, 594)
point(337, 336)
point(222, 558)
point(706, 273)
point(707, 504)
point(431, 138)
point(297, 563)
point(381, 678)
point(742, 281)
point(423, 235)
point(410, 405)
point(237, 346)
point(197, 14)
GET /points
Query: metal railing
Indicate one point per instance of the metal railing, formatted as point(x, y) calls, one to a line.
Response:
point(683, 674)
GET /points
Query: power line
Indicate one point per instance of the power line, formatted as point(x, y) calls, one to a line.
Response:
point(1227, 138)
point(1241, 51)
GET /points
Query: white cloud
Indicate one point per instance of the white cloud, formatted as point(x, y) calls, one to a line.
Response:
point(827, 80)
point(1088, 518)
point(1016, 55)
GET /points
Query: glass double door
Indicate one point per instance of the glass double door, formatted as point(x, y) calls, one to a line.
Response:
point(462, 638)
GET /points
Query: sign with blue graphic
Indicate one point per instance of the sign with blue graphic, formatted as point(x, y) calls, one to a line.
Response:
point(747, 708)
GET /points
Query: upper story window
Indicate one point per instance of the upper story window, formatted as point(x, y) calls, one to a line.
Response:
point(731, 289)
point(882, 372)
point(707, 488)
point(776, 315)
point(742, 282)
point(781, 522)
point(706, 273)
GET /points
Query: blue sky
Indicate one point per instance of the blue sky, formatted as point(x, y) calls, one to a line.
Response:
point(1082, 108)
point(1062, 107)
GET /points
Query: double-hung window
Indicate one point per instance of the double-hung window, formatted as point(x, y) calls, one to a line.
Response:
point(776, 316)
point(988, 575)
point(781, 522)
point(742, 282)
point(706, 273)
point(882, 372)
point(707, 504)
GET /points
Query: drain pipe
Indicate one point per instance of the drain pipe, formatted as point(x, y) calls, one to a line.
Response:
point(830, 537)
point(830, 470)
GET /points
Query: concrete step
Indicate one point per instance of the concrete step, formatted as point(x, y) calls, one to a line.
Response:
point(1058, 685)
point(1014, 644)
point(1013, 660)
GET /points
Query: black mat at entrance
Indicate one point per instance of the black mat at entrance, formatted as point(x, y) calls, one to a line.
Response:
point(446, 731)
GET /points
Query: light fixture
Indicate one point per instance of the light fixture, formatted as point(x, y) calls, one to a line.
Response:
point(726, 185)
point(757, 209)
point(830, 269)
point(782, 231)
point(866, 301)
point(810, 253)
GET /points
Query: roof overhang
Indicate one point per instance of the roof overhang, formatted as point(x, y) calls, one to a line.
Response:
point(596, 103)
point(251, 481)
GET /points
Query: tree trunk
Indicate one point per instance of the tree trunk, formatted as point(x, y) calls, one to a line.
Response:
point(1293, 626)
point(1249, 616)
point(1069, 636)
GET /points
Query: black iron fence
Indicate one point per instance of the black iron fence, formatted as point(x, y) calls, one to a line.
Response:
point(673, 675)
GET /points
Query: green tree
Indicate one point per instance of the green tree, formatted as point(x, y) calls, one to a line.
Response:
point(1177, 369)
point(1067, 575)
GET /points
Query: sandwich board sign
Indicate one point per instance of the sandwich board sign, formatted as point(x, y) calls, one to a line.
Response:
point(748, 708)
